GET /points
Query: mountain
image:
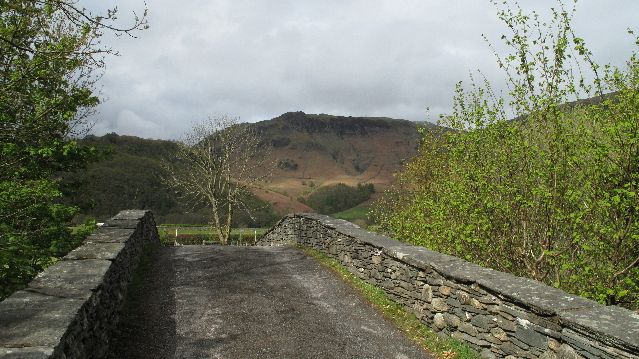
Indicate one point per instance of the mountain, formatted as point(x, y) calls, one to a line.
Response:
point(319, 150)
point(309, 152)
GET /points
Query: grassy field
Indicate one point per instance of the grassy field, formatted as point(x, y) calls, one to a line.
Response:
point(352, 214)
point(357, 215)
point(199, 234)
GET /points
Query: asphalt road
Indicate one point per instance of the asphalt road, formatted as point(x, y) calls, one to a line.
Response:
point(250, 302)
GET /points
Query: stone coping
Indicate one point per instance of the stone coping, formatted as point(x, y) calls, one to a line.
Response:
point(68, 310)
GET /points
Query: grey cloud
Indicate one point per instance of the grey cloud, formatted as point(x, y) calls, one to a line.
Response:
point(258, 59)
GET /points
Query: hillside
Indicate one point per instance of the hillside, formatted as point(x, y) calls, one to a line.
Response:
point(318, 150)
point(309, 151)
point(127, 176)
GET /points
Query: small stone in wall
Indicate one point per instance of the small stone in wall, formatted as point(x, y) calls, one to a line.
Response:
point(439, 321)
point(377, 259)
point(548, 355)
point(475, 303)
point(499, 334)
point(553, 344)
point(489, 338)
point(469, 329)
point(445, 290)
point(567, 352)
point(420, 309)
point(483, 322)
point(467, 316)
point(505, 324)
point(452, 320)
point(463, 297)
point(427, 293)
point(439, 305)
point(487, 354)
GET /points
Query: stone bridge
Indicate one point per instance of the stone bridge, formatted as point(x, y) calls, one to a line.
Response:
point(273, 301)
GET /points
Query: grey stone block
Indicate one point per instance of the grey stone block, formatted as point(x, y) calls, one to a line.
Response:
point(548, 354)
point(567, 352)
point(587, 347)
point(420, 257)
point(505, 324)
point(131, 214)
point(122, 223)
point(453, 303)
point(482, 321)
point(71, 279)
point(612, 325)
point(468, 329)
point(452, 320)
point(439, 321)
point(96, 250)
point(531, 338)
point(487, 354)
point(476, 342)
point(439, 305)
point(26, 353)
point(110, 235)
point(499, 334)
point(536, 296)
point(35, 320)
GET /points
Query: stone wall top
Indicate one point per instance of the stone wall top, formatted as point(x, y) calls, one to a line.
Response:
point(68, 310)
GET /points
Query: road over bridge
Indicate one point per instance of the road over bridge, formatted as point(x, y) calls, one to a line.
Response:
point(250, 302)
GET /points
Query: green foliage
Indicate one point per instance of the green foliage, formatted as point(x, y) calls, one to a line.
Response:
point(48, 54)
point(339, 197)
point(215, 166)
point(129, 176)
point(551, 195)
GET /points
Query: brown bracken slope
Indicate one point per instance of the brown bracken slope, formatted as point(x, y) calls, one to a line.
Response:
point(318, 150)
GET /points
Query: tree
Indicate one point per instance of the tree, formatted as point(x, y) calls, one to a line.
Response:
point(551, 195)
point(50, 57)
point(216, 164)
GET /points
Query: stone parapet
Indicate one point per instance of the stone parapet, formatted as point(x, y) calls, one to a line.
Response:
point(498, 314)
point(70, 309)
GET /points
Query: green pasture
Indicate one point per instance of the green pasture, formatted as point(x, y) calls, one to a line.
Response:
point(352, 214)
point(203, 234)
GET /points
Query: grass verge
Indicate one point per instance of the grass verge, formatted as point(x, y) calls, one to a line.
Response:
point(444, 348)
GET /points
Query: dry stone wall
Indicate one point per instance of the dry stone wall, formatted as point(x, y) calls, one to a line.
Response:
point(500, 315)
point(70, 309)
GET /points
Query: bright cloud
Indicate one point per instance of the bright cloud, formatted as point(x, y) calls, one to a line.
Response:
point(258, 59)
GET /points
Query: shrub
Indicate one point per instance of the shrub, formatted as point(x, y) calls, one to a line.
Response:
point(551, 195)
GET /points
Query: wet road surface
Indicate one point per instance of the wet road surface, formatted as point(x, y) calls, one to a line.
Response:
point(250, 302)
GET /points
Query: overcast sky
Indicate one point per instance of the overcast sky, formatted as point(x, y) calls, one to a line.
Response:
point(257, 59)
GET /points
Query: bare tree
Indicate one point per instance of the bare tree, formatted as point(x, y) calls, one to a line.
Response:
point(216, 164)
